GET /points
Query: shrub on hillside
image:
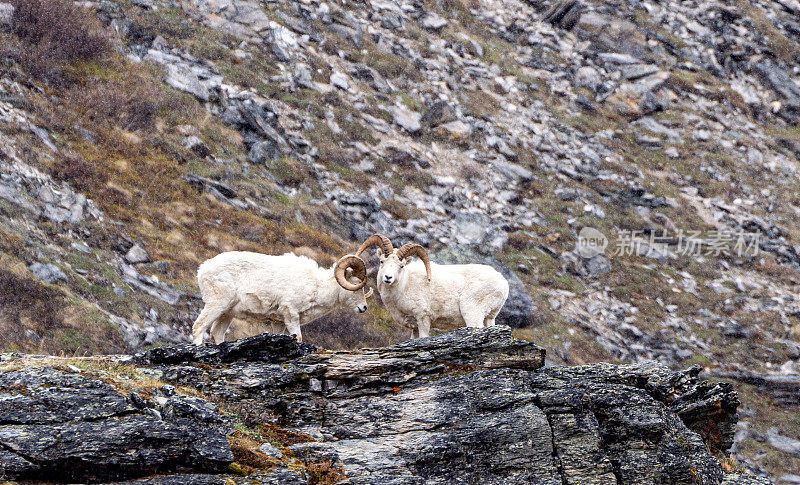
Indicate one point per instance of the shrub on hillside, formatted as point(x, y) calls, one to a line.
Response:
point(131, 101)
point(55, 33)
point(26, 304)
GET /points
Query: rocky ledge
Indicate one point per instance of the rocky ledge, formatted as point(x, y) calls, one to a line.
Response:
point(471, 406)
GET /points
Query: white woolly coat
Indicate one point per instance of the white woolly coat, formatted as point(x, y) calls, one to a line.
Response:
point(290, 288)
point(457, 295)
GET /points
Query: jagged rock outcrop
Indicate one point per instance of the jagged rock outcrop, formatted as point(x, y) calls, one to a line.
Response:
point(474, 405)
point(59, 426)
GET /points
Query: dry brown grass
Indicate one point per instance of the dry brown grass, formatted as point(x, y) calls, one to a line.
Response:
point(521, 240)
point(74, 169)
point(27, 304)
point(324, 473)
point(130, 102)
point(56, 33)
point(347, 330)
point(246, 451)
point(470, 171)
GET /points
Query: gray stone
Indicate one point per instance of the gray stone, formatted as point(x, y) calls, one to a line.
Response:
point(633, 72)
point(137, 254)
point(618, 58)
point(282, 41)
point(183, 78)
point(456, 131)
point(493, 414)
point(564, 13)
point(590, 267)
point(82, 430)
point(783, 443)
point(263, 152)
point(376, 81)
point(410, 120)
point(439, 113)
point(47, 272)
point(339, 80)
point(587, 77)
point(6, 15)
point(512, 171)
point(196, 146)
point(781, 81)
point(649, 141)
point(302, 75)
point(432, 21)
point(271, 451)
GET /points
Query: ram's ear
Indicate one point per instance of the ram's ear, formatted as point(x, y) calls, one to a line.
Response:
point(380, 254)
point(348, 273)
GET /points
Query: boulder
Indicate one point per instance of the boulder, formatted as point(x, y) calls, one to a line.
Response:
point(6, 15)
point(47, 272)
point(339, 80)
point(468, 406)
point(137, 254)
point(263, 152)
point(439, 113)
point(432, 21)
point(482, 403)
point(455, 131)
point(183, 78)
point(564, 13)
point(59, 426)
point(196, 146)
point(587, 77)
point(406, 118)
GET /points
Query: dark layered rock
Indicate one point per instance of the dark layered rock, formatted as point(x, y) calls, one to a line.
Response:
point(263, 348)
point(470, 406)
point(60, 426)
point(475, 405)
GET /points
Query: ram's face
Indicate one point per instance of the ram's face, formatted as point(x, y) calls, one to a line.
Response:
point(391, 267)
point(357, 300)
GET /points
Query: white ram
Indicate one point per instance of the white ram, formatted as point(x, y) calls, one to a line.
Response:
point(290, 288)
point(420, 294)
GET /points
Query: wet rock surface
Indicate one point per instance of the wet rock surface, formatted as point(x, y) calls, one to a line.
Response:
point(59, 426)
point(470, 405)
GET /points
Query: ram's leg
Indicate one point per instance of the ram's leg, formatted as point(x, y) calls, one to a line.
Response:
point(423, 327)
point(473, 318)
point(205, 320)
point(220, 327)
point(489, 320)
point(278, 328)
point(291, 319)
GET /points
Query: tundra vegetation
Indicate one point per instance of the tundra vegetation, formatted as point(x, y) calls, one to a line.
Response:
point(141, 138)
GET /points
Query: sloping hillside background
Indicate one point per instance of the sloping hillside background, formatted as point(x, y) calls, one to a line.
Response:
point(138, 138)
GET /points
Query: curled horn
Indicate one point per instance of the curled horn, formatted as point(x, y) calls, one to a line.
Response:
point(359, 271)
point(377, 240)
point(412, 249)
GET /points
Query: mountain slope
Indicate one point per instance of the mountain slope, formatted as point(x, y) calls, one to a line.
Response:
point(485, 130)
